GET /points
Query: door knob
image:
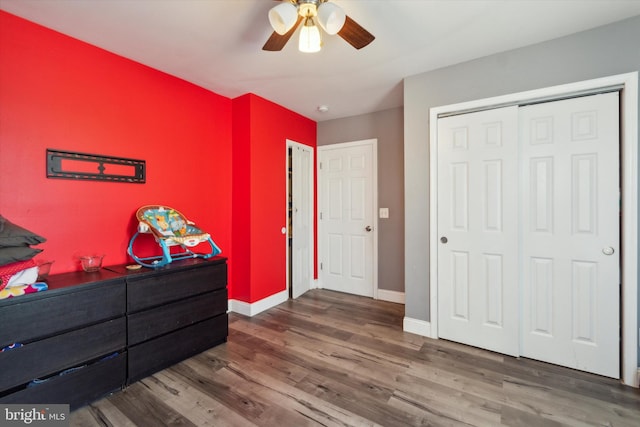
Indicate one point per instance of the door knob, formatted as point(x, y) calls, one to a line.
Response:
point(608, 250)
point(443, 239)
point(368, 228)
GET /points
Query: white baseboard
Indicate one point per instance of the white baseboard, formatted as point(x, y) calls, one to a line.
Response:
point(391, 296)
point(251, 309)
point(418, 327)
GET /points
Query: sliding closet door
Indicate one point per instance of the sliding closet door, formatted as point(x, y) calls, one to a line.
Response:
point(570, 233)
point(477, 226)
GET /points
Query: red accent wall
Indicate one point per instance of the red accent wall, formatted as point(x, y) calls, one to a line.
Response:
point(220, 162)
point(58, 92)
point(241, 200)
point(261, 129)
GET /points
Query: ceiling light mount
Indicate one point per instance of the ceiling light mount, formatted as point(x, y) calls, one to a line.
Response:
point(307, 9)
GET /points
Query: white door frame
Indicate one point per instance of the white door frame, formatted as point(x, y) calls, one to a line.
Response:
point(374, 149)
point(629, 183)
point(291, 144)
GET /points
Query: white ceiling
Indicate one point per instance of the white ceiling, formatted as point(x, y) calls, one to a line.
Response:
point(217, 44)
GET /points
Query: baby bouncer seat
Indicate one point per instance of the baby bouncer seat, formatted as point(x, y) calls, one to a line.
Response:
point(169, 228)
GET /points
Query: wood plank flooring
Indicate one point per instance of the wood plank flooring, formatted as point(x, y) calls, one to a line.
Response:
point(331, 359)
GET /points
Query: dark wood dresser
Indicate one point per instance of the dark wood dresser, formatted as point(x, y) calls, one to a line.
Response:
point(174, 313)
point(93, 333)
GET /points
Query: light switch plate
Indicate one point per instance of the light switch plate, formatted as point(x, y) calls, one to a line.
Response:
point(384, 212)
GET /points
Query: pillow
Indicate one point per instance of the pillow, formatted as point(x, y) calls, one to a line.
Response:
point(14, 235)
point(17, 253)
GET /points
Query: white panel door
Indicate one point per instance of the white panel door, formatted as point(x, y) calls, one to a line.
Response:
point(570, 233)
point(347, 217)
point(477, 228)
point(302, 220)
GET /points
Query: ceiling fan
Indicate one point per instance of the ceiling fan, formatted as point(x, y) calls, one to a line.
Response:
point(287, 16)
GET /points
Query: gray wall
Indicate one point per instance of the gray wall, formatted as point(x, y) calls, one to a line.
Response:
point(604, 51)
point(387, 127)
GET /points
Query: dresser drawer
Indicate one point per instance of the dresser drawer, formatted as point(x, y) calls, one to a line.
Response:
point(48, 356)
point(166, 286)
point(43, 317)
point(157, 321)
point(78, 387)
point(160, 353)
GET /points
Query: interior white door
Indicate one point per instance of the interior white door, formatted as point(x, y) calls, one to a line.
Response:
point(347, 218)
point(302, 219)
point(570, 237)
point(478, 229)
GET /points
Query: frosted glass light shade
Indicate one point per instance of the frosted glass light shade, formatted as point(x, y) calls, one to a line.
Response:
point(310, 40)
point(283, 17)
point(331, 17)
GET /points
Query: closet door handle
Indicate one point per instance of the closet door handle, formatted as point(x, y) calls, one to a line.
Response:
point(444, 239)
point(608, 250)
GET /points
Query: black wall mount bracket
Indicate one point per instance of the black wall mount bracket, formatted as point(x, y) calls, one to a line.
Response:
point(94, 167)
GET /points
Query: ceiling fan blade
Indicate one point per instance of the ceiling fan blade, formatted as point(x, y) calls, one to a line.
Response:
point(276, 41)
point(354, 34)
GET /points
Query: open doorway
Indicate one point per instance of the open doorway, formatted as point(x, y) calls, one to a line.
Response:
point(300, 240)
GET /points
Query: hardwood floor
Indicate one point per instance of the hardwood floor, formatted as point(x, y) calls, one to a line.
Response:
point(331, 359)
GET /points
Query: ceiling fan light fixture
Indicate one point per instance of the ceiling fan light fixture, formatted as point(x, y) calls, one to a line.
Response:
point(315, 14)
point(310, 40)
point(331, 18)
point(283, 17)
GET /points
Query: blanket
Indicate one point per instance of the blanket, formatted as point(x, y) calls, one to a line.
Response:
point(23, 290)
